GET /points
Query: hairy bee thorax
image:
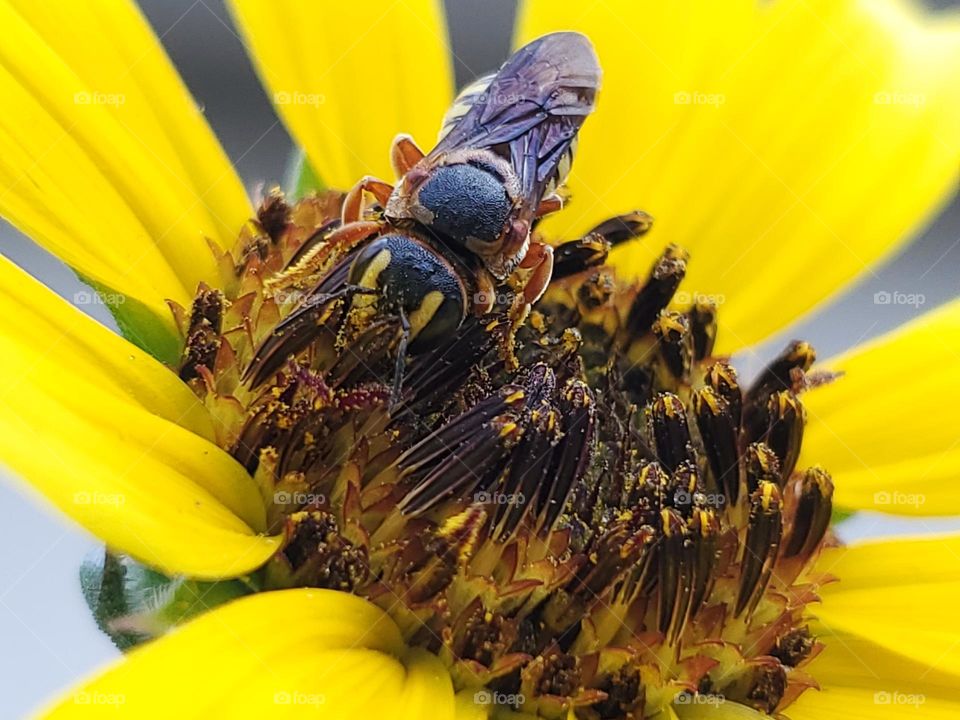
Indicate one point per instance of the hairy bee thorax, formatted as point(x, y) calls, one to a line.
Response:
point(599, 517)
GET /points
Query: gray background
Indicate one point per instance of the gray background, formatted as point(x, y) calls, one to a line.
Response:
point(47, 639)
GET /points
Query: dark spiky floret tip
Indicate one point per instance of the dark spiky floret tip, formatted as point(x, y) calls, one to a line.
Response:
point(574, 505)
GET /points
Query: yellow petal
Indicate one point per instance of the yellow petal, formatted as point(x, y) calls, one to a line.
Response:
point(874, 564)
point(887, 429)
point(788, 145)
point(346, 77)
point(106, 161)
point(862, 681)
point(54, 332)
point(292, 653)
point(467, 707)
point(117, 442)
point(429, 690)
point(720, 711)
point(900, 595)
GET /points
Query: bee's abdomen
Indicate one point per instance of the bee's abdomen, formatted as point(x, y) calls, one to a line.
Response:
point(467, 98)
point(563, 169)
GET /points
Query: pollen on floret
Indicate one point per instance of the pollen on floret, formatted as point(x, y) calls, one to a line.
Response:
point(580, 507)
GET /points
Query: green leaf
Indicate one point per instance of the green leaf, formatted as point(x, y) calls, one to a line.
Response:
point(101, 580)
point(132, 603)
point(139, 324)
point(301, 178)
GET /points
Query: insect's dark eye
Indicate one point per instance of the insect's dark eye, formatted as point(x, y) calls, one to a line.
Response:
point(466, 202)
point(411, 277)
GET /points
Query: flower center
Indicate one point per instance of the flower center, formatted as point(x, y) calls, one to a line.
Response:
point(576, 507)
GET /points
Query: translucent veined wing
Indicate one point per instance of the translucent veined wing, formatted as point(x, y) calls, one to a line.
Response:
point(468, 97)
point(529, 111)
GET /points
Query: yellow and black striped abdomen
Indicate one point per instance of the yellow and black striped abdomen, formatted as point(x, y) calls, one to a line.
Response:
point(469, 96)
point(563, 169)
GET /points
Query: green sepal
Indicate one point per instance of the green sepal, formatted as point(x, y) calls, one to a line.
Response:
point(132, 603)
point(301, 178)
point(839, 515)
point(139, 324)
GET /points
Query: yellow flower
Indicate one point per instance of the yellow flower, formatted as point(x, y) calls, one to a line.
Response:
point(788, 146)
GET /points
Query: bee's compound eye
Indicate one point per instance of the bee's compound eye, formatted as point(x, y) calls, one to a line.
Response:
point(370, 263)
point(412, 277)
point(466, 202)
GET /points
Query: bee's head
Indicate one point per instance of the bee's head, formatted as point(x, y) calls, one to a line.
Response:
point(412, 278)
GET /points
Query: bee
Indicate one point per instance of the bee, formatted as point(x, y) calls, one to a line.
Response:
point(505, 147)
point(457, 226)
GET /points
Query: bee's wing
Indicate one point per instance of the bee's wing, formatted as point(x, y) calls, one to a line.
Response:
point(468, 97)
point(530, 110)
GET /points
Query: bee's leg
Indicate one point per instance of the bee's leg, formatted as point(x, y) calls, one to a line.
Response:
point(352, 209)
point(486, 292)
point(341, 239)
point(550, 204)
point(539, 263)
point(346, 236)
point(593, 248)
point(404, 154)
point(513, 249)
point(401, 362)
